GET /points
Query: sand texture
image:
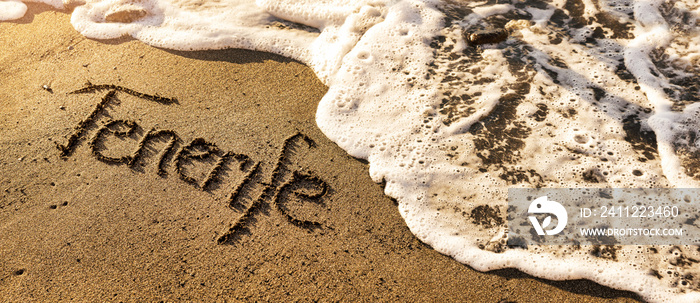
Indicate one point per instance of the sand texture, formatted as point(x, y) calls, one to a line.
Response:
point(131, 173)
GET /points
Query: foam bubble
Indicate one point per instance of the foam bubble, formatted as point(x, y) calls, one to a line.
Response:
point(11, 10)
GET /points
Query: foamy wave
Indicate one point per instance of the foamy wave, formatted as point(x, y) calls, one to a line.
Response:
point(580, 94)
point(12, 10)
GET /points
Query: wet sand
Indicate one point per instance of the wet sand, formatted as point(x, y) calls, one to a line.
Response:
point(132, 207)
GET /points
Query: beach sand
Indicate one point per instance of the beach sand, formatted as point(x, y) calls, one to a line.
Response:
point(74, 227)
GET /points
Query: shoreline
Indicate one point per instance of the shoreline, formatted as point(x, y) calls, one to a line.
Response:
point(77, 227)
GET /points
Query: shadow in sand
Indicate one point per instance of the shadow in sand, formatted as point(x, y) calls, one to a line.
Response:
point(237, 56)
point(582, 287)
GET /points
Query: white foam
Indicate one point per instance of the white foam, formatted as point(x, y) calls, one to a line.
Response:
point(11, 10)
point(15, 9)
point(450, 127)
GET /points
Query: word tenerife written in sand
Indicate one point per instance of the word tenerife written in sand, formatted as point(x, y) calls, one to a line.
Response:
point(284, 183)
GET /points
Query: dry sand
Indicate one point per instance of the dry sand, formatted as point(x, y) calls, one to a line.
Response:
point(77, 228)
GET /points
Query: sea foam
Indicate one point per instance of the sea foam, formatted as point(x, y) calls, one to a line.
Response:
point(11, 10)
point(598, 93)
